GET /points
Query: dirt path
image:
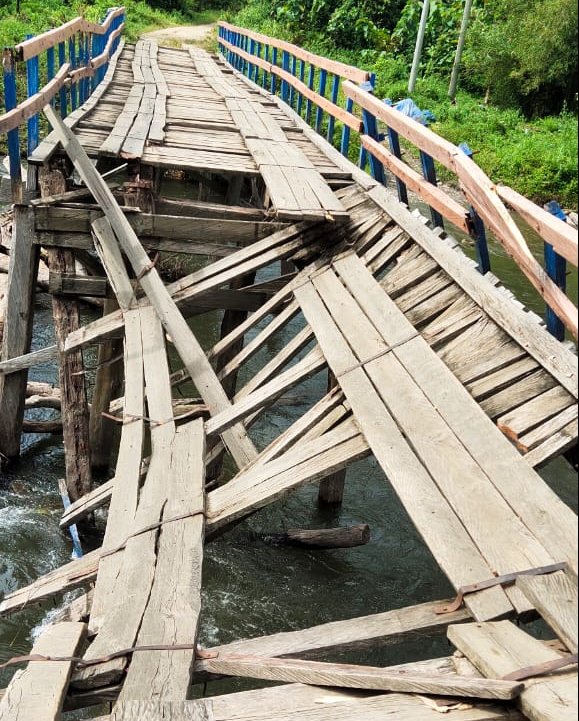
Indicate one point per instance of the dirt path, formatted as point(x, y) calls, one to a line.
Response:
point(184, 34)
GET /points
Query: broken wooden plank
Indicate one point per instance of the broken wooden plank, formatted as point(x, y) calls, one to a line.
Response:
point(499, 649)
point(38, 692)
point(555, 598)
point(361, 677)
point(184, 340)
point(174, 607)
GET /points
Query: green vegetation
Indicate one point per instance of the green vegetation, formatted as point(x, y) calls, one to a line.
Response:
point(517, 106)
point(39, 15)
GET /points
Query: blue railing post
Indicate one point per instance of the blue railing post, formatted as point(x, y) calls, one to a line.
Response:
point(273, 86)
point(265, 78)
point(478, 231)
point(371, 130)
point(251, 68)
point(33, 86)
point(556, 267)
point(10, 102)
point(309, 104)
point(371, 87)
point(285, 86)
point(394, 142)
point(62, 94)
point(96, 50)
point(322, 92)
point(73, 65)
point(347, 132)
point(302, 79)
point(332, 119)
point(294, 71)
point(257, 68)
point(429, 172)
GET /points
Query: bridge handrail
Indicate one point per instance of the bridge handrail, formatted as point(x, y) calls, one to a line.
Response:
point(75, 62)
point(51, 38)
point(248, 52)
point(348, 72)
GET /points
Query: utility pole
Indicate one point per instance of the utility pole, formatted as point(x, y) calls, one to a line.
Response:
point(459, 50)
point(419, 46)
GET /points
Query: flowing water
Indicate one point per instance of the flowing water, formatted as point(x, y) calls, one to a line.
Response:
point(250, 588)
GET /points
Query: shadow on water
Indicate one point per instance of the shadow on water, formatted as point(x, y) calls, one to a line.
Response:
point(249, 589)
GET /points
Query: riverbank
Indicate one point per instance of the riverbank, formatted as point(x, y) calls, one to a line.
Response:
point(536, 157)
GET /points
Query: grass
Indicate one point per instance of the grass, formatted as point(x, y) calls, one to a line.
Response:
point(538, 158)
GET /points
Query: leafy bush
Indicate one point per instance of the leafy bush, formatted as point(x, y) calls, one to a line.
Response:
point(525, 53)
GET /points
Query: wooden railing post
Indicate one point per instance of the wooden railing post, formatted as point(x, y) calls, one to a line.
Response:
point(294, 72)
point(300, 106)
point(478, 229)
point(10, 102)
point(556, 267)
point(346, 132)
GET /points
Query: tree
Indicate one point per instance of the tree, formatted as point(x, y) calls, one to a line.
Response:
point(525, 53)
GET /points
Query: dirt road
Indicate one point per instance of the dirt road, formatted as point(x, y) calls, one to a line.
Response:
point(184, 34)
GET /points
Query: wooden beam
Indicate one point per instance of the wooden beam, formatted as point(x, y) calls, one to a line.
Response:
point(499, 649)
point(38, 692)
point(361, 677)
point(17, 333)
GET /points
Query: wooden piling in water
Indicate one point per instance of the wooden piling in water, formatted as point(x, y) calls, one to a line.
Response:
point(75, 409)
point(17, 332)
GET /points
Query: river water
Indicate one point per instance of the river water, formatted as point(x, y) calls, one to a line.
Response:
point(250, 589)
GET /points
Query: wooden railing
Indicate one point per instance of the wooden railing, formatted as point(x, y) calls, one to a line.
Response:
point(71, 60)
point(267, 61)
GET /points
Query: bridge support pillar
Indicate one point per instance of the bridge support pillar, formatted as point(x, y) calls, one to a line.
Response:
point(17, 333)
point(75, 409)
point(332, 488)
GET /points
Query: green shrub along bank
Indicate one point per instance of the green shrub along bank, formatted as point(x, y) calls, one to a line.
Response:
point(501, 112)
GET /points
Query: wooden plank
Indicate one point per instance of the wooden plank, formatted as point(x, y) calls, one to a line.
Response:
point(49, 145)
point(443, 532)
point(535, 411)
point(564, 440)
point(549, 519)
point(39, 691)
point(127, 589)
point(293, 702)
point(498, 649)
point(174, 607)
point(555, 598)
point(313, 363)
point(278, 246)
point(184, 340)
point(551, 354)
point(88, 504)
point(375, 631)
point(260, 486)
point(426, 431)
point(361, 677)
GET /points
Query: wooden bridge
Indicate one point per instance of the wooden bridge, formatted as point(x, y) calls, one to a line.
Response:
point(458, 391)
